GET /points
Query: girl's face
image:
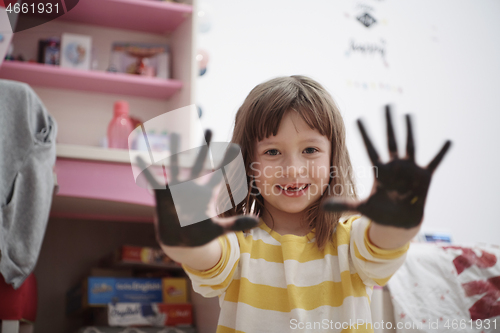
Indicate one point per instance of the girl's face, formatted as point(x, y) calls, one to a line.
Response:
point(298, 159)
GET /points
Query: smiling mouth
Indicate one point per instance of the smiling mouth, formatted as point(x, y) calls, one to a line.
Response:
point(293, 189)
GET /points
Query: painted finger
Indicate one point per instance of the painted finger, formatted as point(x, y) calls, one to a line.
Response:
point(243, 222)
point(200, 159)
point(435, 162)
point(231, 152)
point(174, 158)
point(391, 138)
point(410, 146)
point(369, 146)
point(149, 176)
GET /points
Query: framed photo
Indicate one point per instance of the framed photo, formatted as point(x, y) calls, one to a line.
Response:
point(49, 51)
point(141, 59)
point(76, 51)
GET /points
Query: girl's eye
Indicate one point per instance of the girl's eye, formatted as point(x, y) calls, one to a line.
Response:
point(273, 152)
point(313, 150)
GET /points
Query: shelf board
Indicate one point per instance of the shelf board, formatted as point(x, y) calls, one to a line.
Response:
point(103, 82)
point(99, 180)
point(140, 15)
point(85, 208)
point(99, 154)
point(93, 153)
point(98, 184)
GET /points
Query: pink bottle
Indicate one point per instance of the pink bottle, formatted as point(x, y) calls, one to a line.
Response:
point(119, 127)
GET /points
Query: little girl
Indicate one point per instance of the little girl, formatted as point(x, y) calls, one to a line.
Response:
point(304, 262)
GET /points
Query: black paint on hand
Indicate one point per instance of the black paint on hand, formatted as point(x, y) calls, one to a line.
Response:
point(401, 186)
point(168, 228)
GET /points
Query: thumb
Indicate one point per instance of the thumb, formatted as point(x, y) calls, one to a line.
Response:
point(237, 223)
point(245, 222)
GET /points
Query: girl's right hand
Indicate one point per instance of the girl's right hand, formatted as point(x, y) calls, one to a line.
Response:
point(169, 231)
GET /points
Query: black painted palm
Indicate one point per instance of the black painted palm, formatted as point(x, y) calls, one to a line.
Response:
point(400, 187)
point(168, 228)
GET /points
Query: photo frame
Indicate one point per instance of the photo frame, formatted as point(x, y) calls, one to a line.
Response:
point(76, 51)
point(146, 59)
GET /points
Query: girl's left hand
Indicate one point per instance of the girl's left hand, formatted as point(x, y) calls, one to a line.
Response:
point(400, 187)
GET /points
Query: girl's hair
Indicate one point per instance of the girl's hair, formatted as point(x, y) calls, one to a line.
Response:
point(260, 116)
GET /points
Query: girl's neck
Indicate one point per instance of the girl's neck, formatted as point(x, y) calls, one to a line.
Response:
point(285, 223)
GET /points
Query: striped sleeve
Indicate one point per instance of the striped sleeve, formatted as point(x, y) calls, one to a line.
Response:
point(214, 281)
point(374, 265)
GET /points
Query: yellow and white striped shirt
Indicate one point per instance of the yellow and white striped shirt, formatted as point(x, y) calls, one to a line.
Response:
point(268, 282)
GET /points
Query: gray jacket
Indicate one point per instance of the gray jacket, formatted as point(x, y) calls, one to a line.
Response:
point(27, 155)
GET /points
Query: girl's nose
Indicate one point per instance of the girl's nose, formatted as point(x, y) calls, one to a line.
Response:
point(295, 167)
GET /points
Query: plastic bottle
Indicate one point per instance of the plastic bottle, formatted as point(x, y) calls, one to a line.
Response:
point(120, 126)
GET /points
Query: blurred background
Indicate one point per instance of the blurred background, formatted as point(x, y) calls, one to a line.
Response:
point(436, 60)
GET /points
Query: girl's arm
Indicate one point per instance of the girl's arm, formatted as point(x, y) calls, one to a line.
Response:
point(388, 237)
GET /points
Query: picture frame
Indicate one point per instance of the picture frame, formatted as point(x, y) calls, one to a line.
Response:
point(76, 51)
point(147, 59)
point(49, 51)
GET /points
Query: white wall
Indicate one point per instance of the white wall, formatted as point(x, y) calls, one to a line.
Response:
point(443, 55)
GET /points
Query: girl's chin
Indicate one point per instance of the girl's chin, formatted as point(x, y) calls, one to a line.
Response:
point(292, 209)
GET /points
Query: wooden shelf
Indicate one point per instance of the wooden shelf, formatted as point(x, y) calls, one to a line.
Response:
point(79, 152)
point(139, 15)
point(98, 184)
point(100, 190)
point(102, 82)
point(84, 208)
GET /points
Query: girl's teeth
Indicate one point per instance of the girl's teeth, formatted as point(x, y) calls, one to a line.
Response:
point(294, 190)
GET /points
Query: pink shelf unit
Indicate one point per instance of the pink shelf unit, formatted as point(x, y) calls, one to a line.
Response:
point(100, 190)
point(140, 15)
point(103, 82)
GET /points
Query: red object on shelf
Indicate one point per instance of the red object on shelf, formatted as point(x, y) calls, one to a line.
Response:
point(104, 82)
point(140, 15)
point(120, 126)
point(142, 255)
point(17, 304)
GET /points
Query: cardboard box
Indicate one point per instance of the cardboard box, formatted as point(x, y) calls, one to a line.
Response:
point(137, 257)
point(152, 314)
point(175, 290)
point(99, 291)
point(144, 255)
